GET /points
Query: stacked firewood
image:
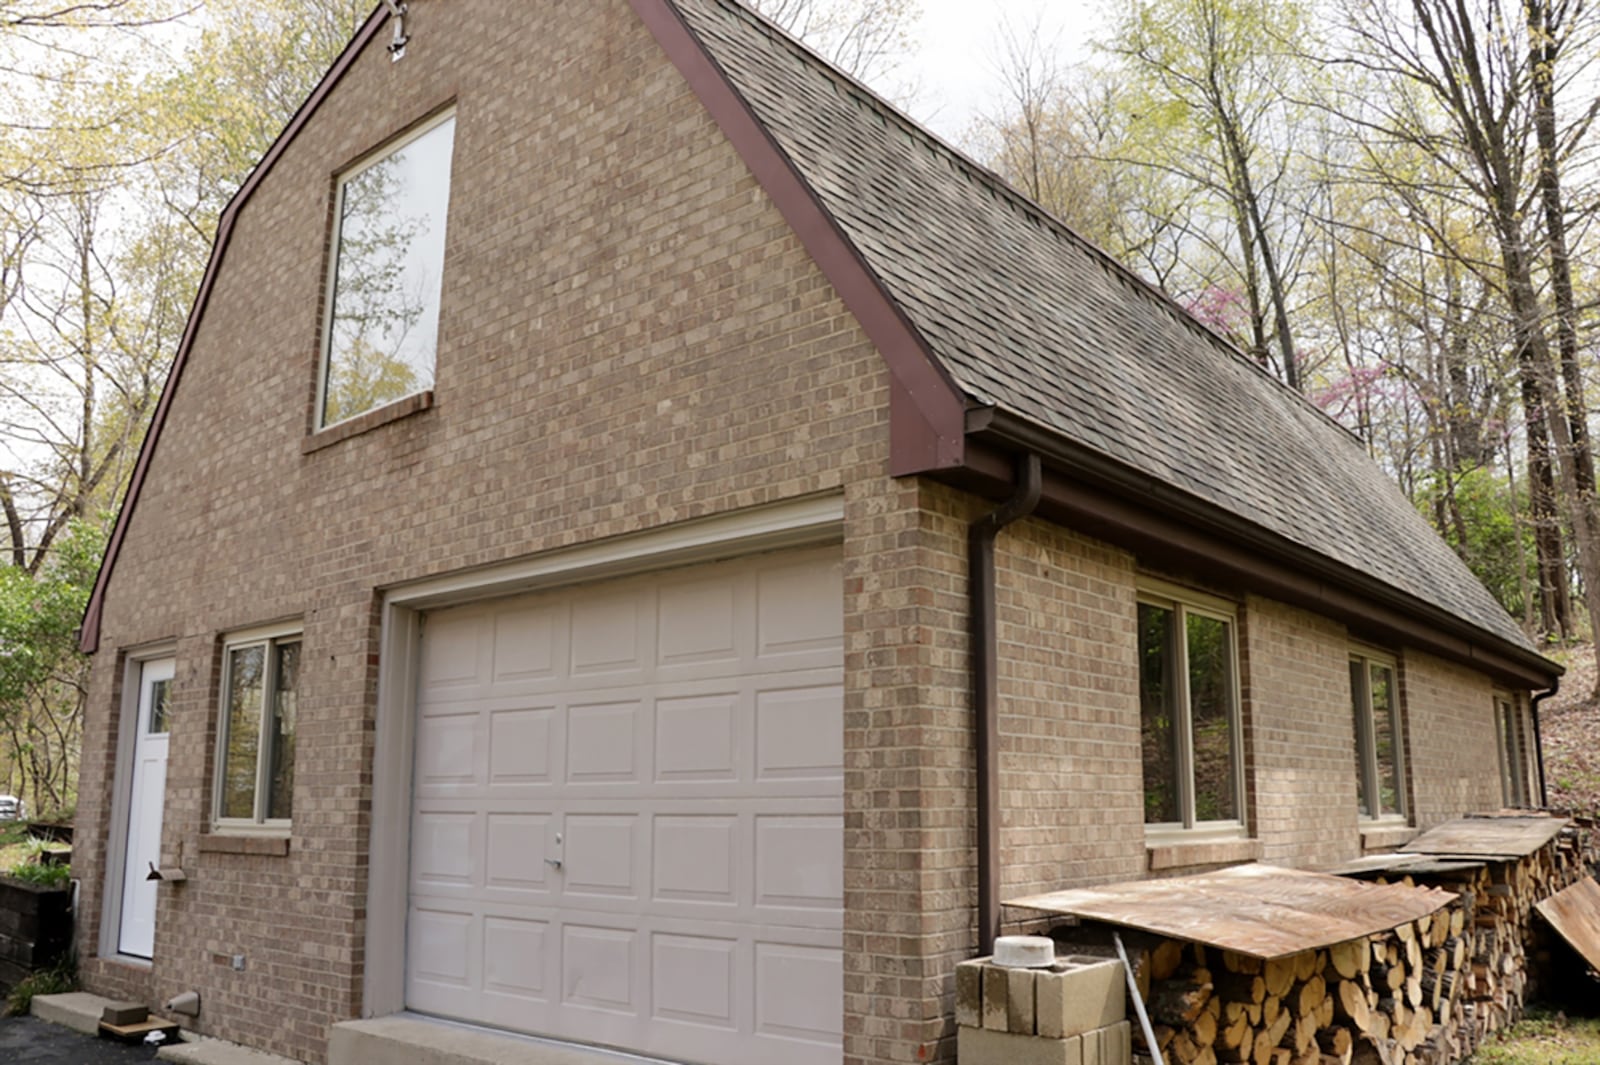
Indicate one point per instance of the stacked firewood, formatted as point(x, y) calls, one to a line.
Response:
point(1425, 993)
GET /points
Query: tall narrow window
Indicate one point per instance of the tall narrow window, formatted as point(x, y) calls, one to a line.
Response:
point(1512, 750)
point(260, 699)
point(1189, 714)
point(388, 258)
point(1380, 767)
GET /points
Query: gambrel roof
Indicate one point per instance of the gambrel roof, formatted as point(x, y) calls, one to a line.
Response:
point(999, 322)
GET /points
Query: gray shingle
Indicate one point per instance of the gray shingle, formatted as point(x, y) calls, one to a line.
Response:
point(1026, 316)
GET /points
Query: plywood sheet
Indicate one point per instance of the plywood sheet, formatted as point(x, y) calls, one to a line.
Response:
point(1260, 910)
point(1495, 838)
point(1407, 864)
point(1575, 915)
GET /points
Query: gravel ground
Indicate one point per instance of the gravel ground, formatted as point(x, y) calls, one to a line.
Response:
point(27, 1041)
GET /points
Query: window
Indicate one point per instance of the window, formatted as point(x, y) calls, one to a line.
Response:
point(1513, 751)
point(388, 257)
point(1189, 713)
point(260, 697)
point(1380, 770)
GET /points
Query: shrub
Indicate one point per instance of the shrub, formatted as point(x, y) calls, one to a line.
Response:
point(56, 980)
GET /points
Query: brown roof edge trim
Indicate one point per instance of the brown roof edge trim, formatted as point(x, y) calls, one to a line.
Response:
point(89, 632)
point(927, 407)
point(1304, 580)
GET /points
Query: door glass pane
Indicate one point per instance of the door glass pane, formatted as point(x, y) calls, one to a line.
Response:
point(1358, 713)
point(1157, 699)
point(387, 277)
point(1211, 712)
point(158, 706)
point(245, 665)
point(1386, 738)
point(285, 704)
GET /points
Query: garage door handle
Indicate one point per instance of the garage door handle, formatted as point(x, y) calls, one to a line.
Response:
point(554, 863)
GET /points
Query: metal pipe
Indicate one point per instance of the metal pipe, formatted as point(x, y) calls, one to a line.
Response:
point(981, 536)
point(1138, 1001)
point(1538, 737)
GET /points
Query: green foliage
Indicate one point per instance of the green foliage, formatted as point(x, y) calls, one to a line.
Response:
point(41, 874)
point(57, 980)
point(40, 613)
point(1497, 548)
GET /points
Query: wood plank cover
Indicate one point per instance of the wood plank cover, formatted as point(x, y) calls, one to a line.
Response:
point(1575, 915)
point(1503, 838)
point(1260, 910)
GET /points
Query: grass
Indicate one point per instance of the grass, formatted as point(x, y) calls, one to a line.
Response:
point(59, 979)
point(1544, 1039)
point(21, 857)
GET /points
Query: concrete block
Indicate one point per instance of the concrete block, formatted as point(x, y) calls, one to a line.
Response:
point(1116, 1044)
point(77, 1010)
point(969, 994)
point(120, 1013)
point(1087, 993)
point(1019, 1001)
point(979, 1046)
point(996, 986)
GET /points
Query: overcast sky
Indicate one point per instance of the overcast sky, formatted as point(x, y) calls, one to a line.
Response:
point(956, 65)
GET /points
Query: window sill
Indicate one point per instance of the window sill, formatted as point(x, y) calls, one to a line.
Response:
point(222, 843)
point(1381, 835)
point(365, 423)
point(1176, 854)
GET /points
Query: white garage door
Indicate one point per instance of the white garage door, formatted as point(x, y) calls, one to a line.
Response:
point(628, 813)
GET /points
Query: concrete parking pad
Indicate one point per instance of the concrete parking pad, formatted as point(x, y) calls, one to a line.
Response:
point(30, 1041)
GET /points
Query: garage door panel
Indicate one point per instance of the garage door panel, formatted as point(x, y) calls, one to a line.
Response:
point(609, 635)
point(603, 741)
point(516, 957)
point(799, 862)
point(597, 967)
point(693, 979)
point(629, 814)
point(529, 643)
point(518, 847)
point(798, 610)
point(697, 623)
point(793, 739)
point(602, 856)
point(797, 988)
point(445, 850)
point(697, 737)
point(696, 859)
point(520, 746)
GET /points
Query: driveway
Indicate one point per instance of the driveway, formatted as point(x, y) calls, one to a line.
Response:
point(28, 1041)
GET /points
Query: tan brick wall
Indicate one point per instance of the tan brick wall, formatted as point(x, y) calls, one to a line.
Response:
point(631, 336)
point(1300, 734)
point(1451, 748)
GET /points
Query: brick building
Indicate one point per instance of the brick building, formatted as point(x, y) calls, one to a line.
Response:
point(644, 546)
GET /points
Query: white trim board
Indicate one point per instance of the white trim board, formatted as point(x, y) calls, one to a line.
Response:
point(809, 521)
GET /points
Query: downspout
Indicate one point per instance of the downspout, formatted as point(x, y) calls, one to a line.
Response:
point(981, 536)
point(1538, 738)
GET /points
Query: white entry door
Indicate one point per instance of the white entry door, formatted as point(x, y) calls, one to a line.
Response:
point(137, 931)
point(628, 820)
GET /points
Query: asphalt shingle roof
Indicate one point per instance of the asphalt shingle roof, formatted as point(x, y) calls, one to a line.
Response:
point(1027, 316)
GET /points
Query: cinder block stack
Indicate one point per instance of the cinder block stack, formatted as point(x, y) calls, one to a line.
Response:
point(1073, 1013)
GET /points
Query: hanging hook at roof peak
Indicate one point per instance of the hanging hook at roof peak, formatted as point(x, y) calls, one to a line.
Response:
point(397, 47)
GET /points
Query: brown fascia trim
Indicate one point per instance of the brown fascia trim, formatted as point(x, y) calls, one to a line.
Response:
point(1156, 521)
point(89, 632)
point(927, 408)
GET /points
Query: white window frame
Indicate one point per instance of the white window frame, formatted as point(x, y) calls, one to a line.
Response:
point(269, 638)
point(1515, 779)
point(1366, 740)
point(330, 283)
point(1184, 601)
